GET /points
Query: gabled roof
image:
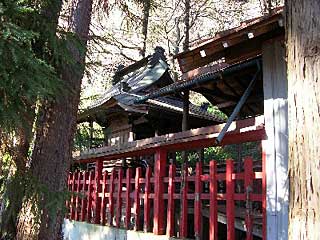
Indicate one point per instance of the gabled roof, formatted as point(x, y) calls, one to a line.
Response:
point(130, 86)
point(137, 76)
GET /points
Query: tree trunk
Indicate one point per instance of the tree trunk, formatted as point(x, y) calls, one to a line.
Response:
point(186, 25)
point(55, 130)
point(303, 56)
point(145, 23)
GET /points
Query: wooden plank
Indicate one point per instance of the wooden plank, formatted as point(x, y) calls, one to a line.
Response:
point(170, 210)
point(146, 204)
point(248, 185)
point(84, 200)
point(159, 173)
point(213, 220)
point(128, 200)
point(97, 190)
point(72, 210)
point(184, 205)
point(197, 202)
point(230, 200)
point(89, 194)
point(264, 197)
point(111, 200)
point(137, 200)
point(77, 211)
point(119, 200)
point(103, 198)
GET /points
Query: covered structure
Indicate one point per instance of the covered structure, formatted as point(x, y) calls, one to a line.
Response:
point(243, 72)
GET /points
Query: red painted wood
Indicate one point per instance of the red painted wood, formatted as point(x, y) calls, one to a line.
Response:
point(184, 205)
point(239, 135)
point(170, 210)
point(77, 211)
point(111, 199)
point(248, 185)
point(89, 194)
point(68, 202)
point(213, 220)
point(146, 203)
point(159, 173)
point(137, 200)
point(97, 190)
point(128, 199)
point(197, 202)
point(230, 200)
point(103, 198)
point(119, 199)
point(84, 189)
point(72, 205)
point(264, 197)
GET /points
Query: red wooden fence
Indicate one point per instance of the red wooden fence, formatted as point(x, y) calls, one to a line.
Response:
point(115, 188)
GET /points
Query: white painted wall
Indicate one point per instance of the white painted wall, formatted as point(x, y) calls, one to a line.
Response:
point(276, 146)
point(73, 230)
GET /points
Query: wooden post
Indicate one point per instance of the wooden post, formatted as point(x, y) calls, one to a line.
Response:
point(119, 206)
point(97, 199)
point(213, 220)
point(230, 200)
point(111, 200)
point(89, 205)
point(128, 200)
point(77, 197)
point(103, 199)
point(184, 205)
point(72, 212)
point(84, 198)
point(197, 202)
point(248, 184)
point(146, 204)
point(170, 210)
point(137, 200)
point(159, 173)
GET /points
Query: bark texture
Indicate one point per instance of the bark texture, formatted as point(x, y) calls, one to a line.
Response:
point(186, 25)
point(55, 130)
point(303, 56)
point(145, 23)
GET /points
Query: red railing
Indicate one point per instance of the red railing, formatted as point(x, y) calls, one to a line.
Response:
point(162, 199)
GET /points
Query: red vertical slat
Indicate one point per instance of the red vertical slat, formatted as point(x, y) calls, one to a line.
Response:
point(103, 199)
point(248, 172)
point(197, 202)
point(137, 200)
point(170, 210)
point(213, 221)
point(119, 200)
point(146, 203)
point(77, 196)
point(230, 200)
point(89, 205)
point(264, 197)
point(84, 197)
point(159, 173)
point(72, 210)
point(184, 204)
point(68, 209)
point(97, 190)
point(128, 200)
point(111, 200)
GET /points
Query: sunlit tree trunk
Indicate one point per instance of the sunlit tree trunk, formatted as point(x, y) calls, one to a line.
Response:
point(303, 56)
point(55, 130)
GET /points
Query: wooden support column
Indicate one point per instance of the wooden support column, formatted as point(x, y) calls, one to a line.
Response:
point(98, 188)
point(185, 114)
point(159, 210)
point(275, 147)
